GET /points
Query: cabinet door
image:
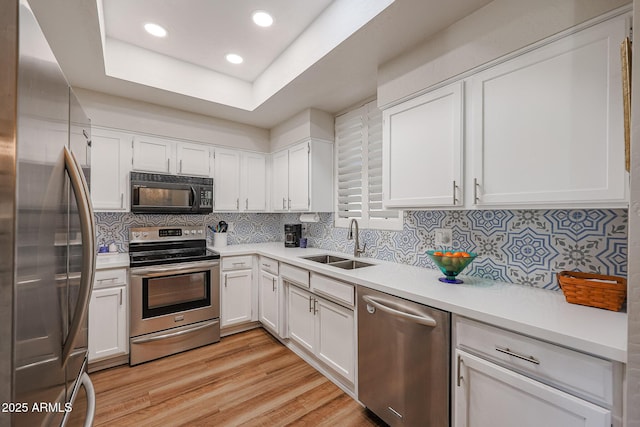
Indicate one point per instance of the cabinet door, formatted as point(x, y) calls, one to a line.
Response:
point(280, 188)
point(226, 180)
point(193, 159)
point(268, 301)
point(422, 150)
point(301, 317)
point(492, 396)
point(335, 337)
point(548, 125)
point(254, 178)
point(153, 154)
point(110, 166)
point(299, 178)
point(236, 298)
point(108, 332)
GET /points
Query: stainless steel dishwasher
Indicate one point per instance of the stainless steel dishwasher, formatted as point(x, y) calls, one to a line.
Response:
point(403, 360)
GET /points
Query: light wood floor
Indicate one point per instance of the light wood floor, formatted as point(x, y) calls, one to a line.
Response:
point(246, 379)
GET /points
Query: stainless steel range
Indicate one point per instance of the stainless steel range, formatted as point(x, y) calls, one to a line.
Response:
point(175, 291)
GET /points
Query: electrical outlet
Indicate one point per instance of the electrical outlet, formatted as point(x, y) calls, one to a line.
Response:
point(230, 227)
point(443, 236)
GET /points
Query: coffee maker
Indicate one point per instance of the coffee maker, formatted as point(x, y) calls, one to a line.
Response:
point(292, 235)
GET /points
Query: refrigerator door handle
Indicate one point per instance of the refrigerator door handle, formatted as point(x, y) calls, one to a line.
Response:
point(87, 228)
point(91, 400)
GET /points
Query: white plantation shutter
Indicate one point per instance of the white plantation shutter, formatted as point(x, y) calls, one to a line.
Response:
point(359, 170)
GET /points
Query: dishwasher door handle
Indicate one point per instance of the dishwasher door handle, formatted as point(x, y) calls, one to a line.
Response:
point(422, 320)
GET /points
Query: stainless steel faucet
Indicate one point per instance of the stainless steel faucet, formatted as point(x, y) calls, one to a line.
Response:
point(356, 247)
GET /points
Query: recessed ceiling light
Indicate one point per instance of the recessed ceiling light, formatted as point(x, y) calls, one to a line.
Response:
point(155, 30)
point(262, 18)
point(234, 59)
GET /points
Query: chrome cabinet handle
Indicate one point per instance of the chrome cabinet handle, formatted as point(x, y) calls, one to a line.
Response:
point(237, 263)
point(168, 165)
point(289, 203)
point(121, 200)
point(273, 283)
point(120, 296)
point(422, 320)
point(315, 309)
point(529, 359)
point(238, 203)
point(459, 374)
point(180, 165)
point(225, 280)
point(87, 229)
point(310, 304)
point(246, 204)
point(455, 199)
point(284, 203)
point(476, 198)
point(266, 265)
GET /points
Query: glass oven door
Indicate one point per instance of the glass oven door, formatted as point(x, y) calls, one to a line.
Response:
point(175, 293)
point(168, 296)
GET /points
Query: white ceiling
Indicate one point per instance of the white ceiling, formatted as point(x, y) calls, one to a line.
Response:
point(202, 32)
point(318, 54)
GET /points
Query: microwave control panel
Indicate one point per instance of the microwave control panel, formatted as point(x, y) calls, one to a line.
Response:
point(206, 198)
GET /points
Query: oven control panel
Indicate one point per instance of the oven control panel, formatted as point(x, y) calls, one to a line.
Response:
point(159, 234)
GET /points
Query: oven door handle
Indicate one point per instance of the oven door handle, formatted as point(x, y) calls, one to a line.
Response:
point(192, 197)
point(183, 268)
point(152, 338)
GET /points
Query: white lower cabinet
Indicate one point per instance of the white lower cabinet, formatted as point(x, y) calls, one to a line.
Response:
point(504, 379)
point(108, 331)
point(492, 396)
point(268, 298)
point(325, 329)
point(236, 298)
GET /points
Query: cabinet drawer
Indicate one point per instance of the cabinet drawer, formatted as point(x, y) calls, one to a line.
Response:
point(580, 374)
point(110, 277)
point(269, 264)
point(297, 275)
point(237, 262)
point(333, 289)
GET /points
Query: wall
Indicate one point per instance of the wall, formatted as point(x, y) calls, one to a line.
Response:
point(125, 114)
point(501, 27)
point(310, 123)
point(522, 246)
point(632, 381)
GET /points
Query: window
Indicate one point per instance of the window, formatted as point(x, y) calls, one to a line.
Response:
point(359, 171)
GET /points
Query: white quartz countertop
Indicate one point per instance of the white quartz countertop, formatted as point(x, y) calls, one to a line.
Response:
point(112, 260)
point(535, 312)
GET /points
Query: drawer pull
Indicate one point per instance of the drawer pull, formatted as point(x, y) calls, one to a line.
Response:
point(266, 265)
point(530, 359)
point(237, 263)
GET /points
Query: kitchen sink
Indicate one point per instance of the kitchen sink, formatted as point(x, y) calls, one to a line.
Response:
point(336, 261)
point(325, 259)
point(350, 264)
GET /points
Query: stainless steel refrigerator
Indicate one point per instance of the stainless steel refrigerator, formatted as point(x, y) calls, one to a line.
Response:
point(47, 236)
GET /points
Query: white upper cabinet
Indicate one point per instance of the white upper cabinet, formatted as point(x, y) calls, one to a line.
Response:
point(226, 180)
point(110, 166)
point(192, 159)
point(253, 184)
point(422, 150)
point(302, 178)
point(280, 174)
point(299, 198)
point(547, 126)
point(152, 154)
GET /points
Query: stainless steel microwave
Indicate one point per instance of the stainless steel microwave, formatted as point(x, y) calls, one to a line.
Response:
point(170, 194)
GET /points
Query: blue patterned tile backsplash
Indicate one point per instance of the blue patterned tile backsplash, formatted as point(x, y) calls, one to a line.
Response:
point(523, 246)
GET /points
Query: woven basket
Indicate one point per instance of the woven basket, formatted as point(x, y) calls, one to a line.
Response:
point(594, 290)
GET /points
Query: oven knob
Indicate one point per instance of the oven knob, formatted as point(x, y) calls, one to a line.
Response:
point(186, 232)
point(145, 234)
point(199, 231)
point(136, 234)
